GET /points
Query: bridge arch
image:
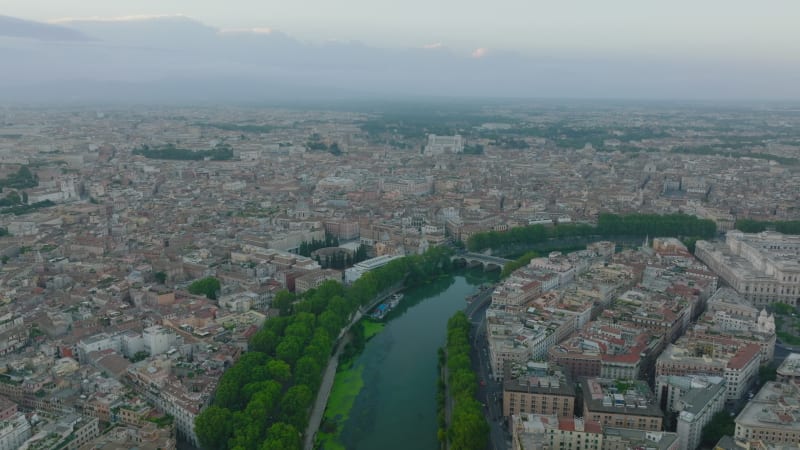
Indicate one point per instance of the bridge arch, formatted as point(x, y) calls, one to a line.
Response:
point(477, 260)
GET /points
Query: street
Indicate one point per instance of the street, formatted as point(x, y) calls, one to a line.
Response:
point(489, 391)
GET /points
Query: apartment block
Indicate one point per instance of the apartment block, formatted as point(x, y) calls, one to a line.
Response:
point(773, 415)
point(537, 388)
point(763, 267)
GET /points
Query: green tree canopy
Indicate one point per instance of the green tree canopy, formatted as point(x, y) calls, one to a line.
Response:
point(214, 426)
point(208, 286)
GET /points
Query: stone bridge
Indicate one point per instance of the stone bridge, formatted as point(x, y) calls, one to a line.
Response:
point(478, 259)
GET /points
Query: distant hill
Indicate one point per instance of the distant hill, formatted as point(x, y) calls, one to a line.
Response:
point(176, 58)
point(19, 28)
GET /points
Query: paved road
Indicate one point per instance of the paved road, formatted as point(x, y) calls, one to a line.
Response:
point(491, 393)
point(322, 397)
point(330, 371)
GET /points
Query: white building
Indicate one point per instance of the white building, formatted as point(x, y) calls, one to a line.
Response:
point(440, 145)
point(132, 343)
point(98, 342)
point(696, 399)
point(763, 267)
point(355, 272)
point(14, 431)
point(157, 340)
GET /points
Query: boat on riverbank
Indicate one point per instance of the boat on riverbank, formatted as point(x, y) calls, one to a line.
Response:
point(381, 310)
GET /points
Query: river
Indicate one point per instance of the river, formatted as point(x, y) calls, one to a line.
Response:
point(396, 405)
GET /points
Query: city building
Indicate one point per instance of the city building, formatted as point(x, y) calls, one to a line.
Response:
point(773, 415)
point(789, 370)
point(696, 399)
point(551, 432)
point(537, 388)
point(729, 443)
point(621, 404)
point(738, 364)
point(353, 273)
point(440, 145)
point(313, 279)
point(14, 428)
point(763, 267)
point(628, 439)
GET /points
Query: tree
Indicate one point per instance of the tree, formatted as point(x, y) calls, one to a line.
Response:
point(265, 340)
point(282, 436)
point(208, 286)
point(767, 373)
point(279, 370)
point(289, 349)
point(295, 404)
point(160, 277)
point(283, 302)
point(308, 371)
point(469, 428)
point(722, 424)
point(214, 427)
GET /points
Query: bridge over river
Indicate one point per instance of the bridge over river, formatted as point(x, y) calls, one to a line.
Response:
point(478, 259)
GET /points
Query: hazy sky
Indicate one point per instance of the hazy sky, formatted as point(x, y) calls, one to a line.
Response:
point(726, 29)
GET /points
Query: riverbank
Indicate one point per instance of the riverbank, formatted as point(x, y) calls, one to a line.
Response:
point(347, 384)
point(387, 397)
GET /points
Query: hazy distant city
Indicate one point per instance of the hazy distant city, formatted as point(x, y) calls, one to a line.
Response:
point(217, 238)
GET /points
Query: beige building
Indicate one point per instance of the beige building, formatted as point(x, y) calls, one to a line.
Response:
point(313, 279)
point(621, 405)
point(789, 370)
point(763, 267)
point(627, 439)
point(537, 388)
point(544, 432)
point(738, 364)
point(772, 416)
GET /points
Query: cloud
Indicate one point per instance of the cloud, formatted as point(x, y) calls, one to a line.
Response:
point(432, 45)
point(479, 52)
point(256, 30)
point(117, 18)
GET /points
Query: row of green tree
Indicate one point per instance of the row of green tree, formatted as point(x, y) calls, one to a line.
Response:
point(21, 209)
point(476, 149)
point(263, 400)
point(522, 261)
point(306, 248)
point(468, 428)
point(221, 152)
point(13, 198)
point(343, 258)
point(244, 128)
point(727, 150)
point(315, 143)
point(607, 225)
point(655, 225)
point(22, 179)
point(757, 226)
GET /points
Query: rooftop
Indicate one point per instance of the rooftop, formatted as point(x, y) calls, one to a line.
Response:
point(777, 405)
point(535, 377)
point(629, 397)
point(790, 367)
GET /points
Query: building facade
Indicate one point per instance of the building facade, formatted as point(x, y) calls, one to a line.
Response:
point(762, 267)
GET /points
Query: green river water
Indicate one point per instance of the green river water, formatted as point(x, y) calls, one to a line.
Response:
point(396, 405)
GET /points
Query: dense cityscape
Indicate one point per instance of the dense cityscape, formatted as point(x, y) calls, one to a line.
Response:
point(192, 277)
